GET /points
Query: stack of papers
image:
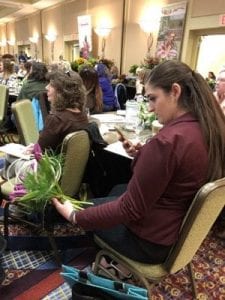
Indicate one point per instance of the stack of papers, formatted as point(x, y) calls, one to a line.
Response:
point(16, 150)
point(117, 148)
point(109, 118)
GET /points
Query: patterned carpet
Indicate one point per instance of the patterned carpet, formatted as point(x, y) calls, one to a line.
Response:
point(35, 274)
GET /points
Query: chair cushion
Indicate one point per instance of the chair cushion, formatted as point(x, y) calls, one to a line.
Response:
point(153, 272)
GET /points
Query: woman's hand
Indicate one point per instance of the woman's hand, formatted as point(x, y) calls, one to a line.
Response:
point(65, 209)
point(131, 148)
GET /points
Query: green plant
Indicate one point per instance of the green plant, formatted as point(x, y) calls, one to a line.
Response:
point(41, 184)
point(133, 69)
point(145, 116)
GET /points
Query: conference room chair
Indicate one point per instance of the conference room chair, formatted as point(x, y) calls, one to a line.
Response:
point(203, 212)
point(5, 136)
point(25, 122)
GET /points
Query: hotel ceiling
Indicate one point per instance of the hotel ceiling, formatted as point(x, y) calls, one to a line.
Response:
point(13, 9)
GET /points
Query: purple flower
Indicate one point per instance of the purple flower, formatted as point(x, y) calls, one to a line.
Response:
point(19, 191)
point(37, 152)
point(19, 186)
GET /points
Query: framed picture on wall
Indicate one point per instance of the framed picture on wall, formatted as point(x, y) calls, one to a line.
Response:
point(171, 29)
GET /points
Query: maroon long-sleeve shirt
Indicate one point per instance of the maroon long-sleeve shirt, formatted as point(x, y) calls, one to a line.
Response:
point(167, 172)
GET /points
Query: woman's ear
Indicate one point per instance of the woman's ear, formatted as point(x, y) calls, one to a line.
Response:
point(176, 91)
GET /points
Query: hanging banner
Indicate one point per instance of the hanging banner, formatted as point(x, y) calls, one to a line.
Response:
point(171, 31)
point(84, 31)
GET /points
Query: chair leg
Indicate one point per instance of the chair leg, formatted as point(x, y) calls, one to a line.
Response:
point(193, 284)
point(54, 247)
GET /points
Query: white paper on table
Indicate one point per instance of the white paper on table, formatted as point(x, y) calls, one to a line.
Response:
point(117, 148)
point(121, 112)
point(17, 150)
point(109, 118)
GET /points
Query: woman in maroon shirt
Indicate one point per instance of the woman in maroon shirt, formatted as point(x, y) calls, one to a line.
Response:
point(144, 222)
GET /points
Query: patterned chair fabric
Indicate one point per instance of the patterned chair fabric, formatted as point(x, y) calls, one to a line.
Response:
point(209, 201)
point(76, 147)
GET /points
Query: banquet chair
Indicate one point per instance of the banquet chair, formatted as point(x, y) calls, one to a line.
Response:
point(4, 96)
point(25, 122)
point(209, 201)
point(44, 104)
point(75, 149)
point(120, 93)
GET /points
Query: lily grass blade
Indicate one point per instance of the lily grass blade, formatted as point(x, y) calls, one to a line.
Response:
point(43, 185)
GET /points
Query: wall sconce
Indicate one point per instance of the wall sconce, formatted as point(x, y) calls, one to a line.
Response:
point(146, 26)
point(34, 40)
point(51, 37)
point(103, 32)
point(11, 42)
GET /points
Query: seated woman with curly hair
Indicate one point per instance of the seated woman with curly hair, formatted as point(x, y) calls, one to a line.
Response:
point(66, 95)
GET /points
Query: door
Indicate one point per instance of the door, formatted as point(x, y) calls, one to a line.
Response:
point(211, 54)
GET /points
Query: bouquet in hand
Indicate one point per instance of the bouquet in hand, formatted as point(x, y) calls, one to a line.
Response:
point(39, 185)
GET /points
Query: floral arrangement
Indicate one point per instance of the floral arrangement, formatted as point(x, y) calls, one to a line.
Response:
point(133, 69)
point(36, 188)
point(145, 116)
point(79, 62)
point(149, 63)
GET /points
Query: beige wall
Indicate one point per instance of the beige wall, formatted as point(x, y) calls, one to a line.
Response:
point(202, 17)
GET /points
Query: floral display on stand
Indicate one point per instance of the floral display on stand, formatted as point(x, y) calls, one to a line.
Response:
point(36, 188)
point(79, 62)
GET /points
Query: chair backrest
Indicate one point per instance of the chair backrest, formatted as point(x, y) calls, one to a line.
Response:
point(25, 121)
point(204, 210)
point(44, 104)
point(4, 96)
point(76, 148)
point(120, 93)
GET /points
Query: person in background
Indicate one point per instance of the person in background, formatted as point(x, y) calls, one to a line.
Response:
point(114, 72)
point(36, 82)
point(220, 90)
point(93, 90)
point(63, 64)
point(22, 57)
point(27, 68)
point(211, 80)
point(1, 68)
point(22, 71)
point(143, 222)
point(66, 95)
point(140, 81)
point(109, 101)
point(9, 77)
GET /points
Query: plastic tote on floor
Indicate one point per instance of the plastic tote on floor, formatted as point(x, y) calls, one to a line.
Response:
point(86, 285)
